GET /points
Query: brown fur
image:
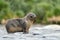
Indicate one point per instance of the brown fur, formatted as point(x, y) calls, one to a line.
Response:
point(20, 25)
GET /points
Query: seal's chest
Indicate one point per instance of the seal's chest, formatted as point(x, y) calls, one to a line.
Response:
point(29, 23)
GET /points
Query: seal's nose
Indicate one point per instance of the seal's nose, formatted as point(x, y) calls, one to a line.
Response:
point(34, 18)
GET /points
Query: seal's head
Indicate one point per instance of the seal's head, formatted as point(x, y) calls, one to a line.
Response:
point(31, 16)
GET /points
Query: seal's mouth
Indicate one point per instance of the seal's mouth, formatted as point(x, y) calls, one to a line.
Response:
point(34, 21)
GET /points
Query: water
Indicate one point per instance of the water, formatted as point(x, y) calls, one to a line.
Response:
point(36, 32)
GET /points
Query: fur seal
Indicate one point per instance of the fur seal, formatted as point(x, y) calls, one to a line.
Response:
point(20, 24)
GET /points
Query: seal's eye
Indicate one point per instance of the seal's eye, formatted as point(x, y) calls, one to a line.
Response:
point(31, 16)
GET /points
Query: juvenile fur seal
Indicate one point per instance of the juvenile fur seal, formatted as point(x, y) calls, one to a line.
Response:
point(20, 24)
